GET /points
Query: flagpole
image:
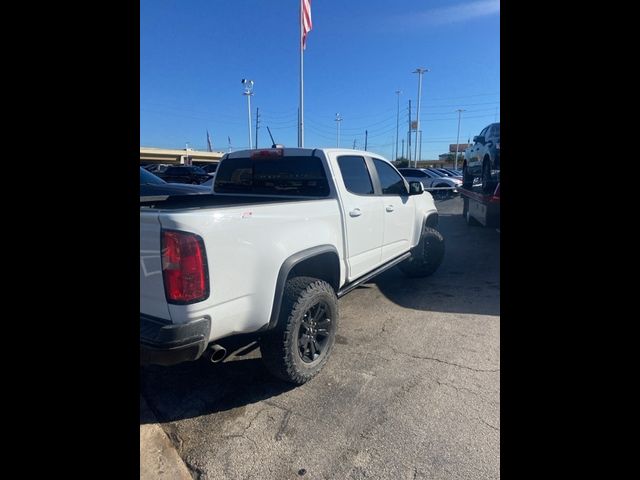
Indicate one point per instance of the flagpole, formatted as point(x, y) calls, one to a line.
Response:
point(301, 125)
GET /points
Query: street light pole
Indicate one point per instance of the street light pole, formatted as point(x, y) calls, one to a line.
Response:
point(455, 163)
point(248, 91)
point(398, 92)
point(420, 72)
point(338, 120)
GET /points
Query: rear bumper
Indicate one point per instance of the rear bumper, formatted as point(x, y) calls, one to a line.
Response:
point(164, 343)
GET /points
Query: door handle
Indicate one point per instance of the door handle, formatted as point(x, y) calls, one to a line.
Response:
point(356, 212)
point(389, 208)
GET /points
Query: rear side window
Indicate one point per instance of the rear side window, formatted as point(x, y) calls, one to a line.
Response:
point(391, 182)
point(355, 175)
point(293, 176)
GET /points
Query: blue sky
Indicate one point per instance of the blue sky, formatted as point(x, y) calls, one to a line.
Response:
point(194, 53)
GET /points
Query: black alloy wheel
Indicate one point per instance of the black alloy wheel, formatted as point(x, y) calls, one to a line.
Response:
point(314, 333)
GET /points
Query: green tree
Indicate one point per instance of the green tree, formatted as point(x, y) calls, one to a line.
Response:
point(401, 162)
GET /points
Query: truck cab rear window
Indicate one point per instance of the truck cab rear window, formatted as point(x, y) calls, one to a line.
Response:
point(294, 176)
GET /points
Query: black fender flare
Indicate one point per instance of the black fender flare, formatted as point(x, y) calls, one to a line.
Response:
point(430, 220)
point(285, 270)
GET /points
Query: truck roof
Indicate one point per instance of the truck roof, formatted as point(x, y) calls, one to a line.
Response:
point(299, 152)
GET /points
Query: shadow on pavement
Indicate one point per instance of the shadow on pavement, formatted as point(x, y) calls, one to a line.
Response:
point(199, 388)
point(468, 281)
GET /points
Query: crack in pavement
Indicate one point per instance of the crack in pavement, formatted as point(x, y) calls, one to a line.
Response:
point(488, 424)
point(399, 352)
point(241, 435)
point(287, 410)
point(245, 429)
point(457, 389)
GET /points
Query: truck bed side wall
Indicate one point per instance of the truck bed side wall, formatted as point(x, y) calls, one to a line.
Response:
point(246, 247)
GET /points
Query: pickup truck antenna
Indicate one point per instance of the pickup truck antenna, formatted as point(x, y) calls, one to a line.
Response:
point(273, 142)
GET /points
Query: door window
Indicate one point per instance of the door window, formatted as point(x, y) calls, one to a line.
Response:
point(355, 175)
point(390, 180)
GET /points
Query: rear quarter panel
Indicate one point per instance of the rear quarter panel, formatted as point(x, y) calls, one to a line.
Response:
point(245, 248)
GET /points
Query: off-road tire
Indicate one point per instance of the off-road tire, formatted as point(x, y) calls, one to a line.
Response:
point(426, 257)
point(280, 346)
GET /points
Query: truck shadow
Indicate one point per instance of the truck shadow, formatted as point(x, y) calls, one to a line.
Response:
point(199, 388)
point(468, 281)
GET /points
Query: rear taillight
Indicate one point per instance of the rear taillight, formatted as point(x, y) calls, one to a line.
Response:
point(184, 267)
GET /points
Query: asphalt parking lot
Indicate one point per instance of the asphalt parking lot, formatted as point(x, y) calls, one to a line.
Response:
point(411, 391)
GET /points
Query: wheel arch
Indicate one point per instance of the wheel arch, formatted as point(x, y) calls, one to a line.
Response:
point(431, 220)
point(321, 262)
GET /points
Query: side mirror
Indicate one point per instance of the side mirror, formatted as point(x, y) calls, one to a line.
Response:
point(415, 188)
point(479, 139)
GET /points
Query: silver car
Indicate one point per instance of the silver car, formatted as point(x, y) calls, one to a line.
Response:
point(432, 181)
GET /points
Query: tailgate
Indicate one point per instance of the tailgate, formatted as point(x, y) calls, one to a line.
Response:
point(152, 297)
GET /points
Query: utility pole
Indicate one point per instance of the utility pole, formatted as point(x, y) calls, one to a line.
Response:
point(455, 163)
point(409, 136)
point(420, 72)
point(338, 120)
point(354, 143)
point(402, 148)
point(366, 137)
point(257, 124)
point(248, 91)
point(420, 145)
point(398, 92)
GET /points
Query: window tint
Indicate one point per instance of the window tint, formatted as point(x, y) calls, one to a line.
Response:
point(147, 177)
point(412, 173)
point(294, 176)
point(355, 175)
point(392, 183)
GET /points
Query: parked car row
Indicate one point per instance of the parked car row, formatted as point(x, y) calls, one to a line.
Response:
point(151, 185)
point(183, 173)
point(433, 179)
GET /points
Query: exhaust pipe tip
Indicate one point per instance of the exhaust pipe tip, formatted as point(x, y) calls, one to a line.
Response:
point(217, 353)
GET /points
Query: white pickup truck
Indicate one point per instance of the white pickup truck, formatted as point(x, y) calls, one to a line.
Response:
point(284, 234)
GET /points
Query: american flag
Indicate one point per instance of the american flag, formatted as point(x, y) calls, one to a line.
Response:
point(306, 21)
